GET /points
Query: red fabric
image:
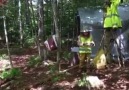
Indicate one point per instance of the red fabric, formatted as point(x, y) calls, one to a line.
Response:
point(3, 2)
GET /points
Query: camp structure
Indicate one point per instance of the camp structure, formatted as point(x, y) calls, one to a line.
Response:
point(93, 17)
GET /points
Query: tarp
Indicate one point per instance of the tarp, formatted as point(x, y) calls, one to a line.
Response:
point(93, 17)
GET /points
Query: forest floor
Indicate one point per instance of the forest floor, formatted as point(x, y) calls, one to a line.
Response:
point(42, 77)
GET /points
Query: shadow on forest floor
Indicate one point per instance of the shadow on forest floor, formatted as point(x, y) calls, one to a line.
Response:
point(31, 79)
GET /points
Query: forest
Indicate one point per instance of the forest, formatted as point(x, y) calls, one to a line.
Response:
point(27, 62)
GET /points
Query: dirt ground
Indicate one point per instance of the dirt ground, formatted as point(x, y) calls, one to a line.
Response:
point(38, 78)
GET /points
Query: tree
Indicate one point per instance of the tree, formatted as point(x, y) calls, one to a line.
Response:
point(40, 29)
point(20, 24)
point(6, 38)
point(55, 17)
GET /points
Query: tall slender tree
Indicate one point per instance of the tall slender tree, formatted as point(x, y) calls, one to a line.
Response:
point(6, 37)
point(20, 23)
point(56, 20)
point(40, 36)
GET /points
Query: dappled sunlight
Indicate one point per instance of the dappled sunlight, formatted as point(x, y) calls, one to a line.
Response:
point(33, 78)
point(25, 28)
point(4, 64)
point(20, 61)
point(66, 83)
point(95, 82)
point(42, 77)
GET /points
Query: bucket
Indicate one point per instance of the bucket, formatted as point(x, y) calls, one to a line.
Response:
point(51, 43)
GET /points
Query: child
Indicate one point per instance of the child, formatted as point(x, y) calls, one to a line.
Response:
point(85, 43)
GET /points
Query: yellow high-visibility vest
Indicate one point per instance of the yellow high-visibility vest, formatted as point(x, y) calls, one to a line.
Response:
point(112, 18)
point(85, 49)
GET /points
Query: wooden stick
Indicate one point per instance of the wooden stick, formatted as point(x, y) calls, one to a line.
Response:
point(69, 69)
point(56, 74)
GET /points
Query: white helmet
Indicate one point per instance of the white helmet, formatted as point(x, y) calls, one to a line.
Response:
point(86, 28)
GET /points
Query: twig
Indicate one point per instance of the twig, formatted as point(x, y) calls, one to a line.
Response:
point(56, 74)
point(5, 84)
point(69, 69)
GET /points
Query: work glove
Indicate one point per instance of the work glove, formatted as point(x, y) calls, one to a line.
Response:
point(92, 44)
point(86, 44)
point(89, 44)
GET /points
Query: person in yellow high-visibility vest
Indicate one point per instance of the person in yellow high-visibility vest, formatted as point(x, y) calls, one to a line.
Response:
point(85, 42)
point(112, 24)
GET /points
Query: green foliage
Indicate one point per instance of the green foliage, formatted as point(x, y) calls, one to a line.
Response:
point(83, 82)
point(66, 14)
point(56, 78)
point(34, 61)
point(3, 56)
point(14, 72)
point(53, 69)
point(66, 55)
point(13, 35)
point(17, 50)
point(29, 41)
point(3, 51)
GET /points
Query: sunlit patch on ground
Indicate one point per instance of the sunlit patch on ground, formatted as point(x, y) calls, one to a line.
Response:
point(114, 78)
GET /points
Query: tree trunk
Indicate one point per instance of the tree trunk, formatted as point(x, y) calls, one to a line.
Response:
point(40, 36)
point(7, 43)
point(34, 26)
point(20, 24)
point(27, 13)
point(54, 8)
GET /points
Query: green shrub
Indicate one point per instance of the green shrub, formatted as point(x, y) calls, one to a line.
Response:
point(17, 51)
point(3, 56)
point(66, 55)
point(53, 69)
point(13, 50)
point(83, 82)
point(3, 51)
point(14, 72)
point(29, 41)
point(34, 60)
